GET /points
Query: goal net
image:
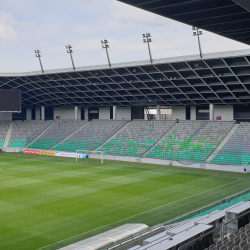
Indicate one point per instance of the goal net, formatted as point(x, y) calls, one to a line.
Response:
point(80, 154)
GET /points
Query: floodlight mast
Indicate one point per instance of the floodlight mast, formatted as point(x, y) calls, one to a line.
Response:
point(198, 33)
point(69, 50)
point(106, 46)
point(37, 52)
point(147, 39)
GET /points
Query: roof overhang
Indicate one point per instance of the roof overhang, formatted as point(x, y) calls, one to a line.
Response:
point(227, 18)
point(220, 78)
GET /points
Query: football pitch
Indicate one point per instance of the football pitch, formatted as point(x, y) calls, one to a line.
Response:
point(45, 200)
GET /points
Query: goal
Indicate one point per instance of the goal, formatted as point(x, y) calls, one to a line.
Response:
point(91, 154)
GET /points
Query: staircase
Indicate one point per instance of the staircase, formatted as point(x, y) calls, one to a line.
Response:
point(70, 135)
point(7, 138)
point(157, 142)
point(39, 135)
point(223, 142)
point(113, 136)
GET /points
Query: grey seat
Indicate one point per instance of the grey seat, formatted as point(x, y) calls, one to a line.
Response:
point(236, 248)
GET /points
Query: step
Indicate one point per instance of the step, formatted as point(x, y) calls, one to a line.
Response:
point(158, 141)
point(223, 142)
point(71, 134)
point(113, 136)
point(39, 135)
point(7, 138)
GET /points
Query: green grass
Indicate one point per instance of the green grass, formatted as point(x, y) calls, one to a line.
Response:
point(44, 200)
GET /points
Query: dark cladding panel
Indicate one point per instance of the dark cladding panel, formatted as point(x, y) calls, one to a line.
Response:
point(137, 112)
point(10, 100)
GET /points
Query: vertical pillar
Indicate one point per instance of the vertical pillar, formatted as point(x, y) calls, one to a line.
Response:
point(28, 114)
point(114, 112)
point(158, 115)
point(211, 112)
point(42, 113)
point(193, 113)
point(38, 114)
point(76, 113)
point(86, 114)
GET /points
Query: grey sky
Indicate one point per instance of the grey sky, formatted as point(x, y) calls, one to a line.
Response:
point(49, 25)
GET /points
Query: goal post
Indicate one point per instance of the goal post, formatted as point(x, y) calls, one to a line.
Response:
point(91, 154)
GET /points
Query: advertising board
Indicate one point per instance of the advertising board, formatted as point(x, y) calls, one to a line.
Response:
point(72, 155)
point(31, 152)
point(47, 153)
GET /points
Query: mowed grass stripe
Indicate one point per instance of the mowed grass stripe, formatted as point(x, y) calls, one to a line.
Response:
point(44, 200)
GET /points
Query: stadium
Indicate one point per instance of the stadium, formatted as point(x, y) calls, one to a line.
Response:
point(150, 154)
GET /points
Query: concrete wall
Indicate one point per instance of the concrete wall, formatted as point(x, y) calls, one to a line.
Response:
point(124, 113)
point(38, 114)
point(104, 113)
point(179, 112)
point(86, 113)
point(5, 116)
point(79, 114)
point(66, 113)
point(28, 114)
point(193, 113)
point(225, 111)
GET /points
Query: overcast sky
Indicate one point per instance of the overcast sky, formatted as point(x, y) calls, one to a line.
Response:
point(49, 25)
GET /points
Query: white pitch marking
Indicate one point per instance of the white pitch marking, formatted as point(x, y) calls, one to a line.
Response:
point(140, 213)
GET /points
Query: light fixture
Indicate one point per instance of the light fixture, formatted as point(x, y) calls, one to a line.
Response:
point(106, 46)
point(198, 33)
point(147, 39)
point(70, 51)
point(37, 52)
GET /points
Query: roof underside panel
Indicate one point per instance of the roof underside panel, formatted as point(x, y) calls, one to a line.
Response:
point(222, 80)
point(227, 18)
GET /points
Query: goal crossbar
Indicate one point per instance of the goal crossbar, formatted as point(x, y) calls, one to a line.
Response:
point(92, 154)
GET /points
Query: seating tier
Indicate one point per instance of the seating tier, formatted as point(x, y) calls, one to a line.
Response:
point(191, 140)
point(24, 132)
point(136, 138)
point(237, 149)
point(58, 131)
point(91, 136)
point(4, 125)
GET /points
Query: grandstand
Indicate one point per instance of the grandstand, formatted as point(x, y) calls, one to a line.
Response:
point(167, 182)
point(191, 140)
point(138, 137)
point(91, 136)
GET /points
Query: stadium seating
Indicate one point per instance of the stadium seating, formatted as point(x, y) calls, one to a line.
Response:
point(242, 198)
point(137, 137)
point(237, 149)
point(91, 136)
point(4, 125)
point(191, 140)
point(24, 132)
point(58, 131)
point(239, 240)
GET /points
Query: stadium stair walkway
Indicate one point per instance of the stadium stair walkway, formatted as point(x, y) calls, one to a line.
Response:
point(111, 138)
point(223, 142)
point(7, 138)
point(71, 135)
point(157, 142)
point(39, 135)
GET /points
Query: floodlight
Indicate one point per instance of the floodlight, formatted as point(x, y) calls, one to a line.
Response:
point(148, 40)
point(37, 52)
point(70, 51)
point(198, 33)
point(106, 46)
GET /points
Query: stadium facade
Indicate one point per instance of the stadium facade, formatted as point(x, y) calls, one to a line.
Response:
point(188, 84)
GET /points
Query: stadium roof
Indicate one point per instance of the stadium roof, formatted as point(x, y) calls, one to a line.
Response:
point(228, 18)
point(219, 78)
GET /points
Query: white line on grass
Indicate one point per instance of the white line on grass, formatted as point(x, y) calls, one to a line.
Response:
point(141, 213)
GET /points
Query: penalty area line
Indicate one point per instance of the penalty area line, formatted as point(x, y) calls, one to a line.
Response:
point(165, 205)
